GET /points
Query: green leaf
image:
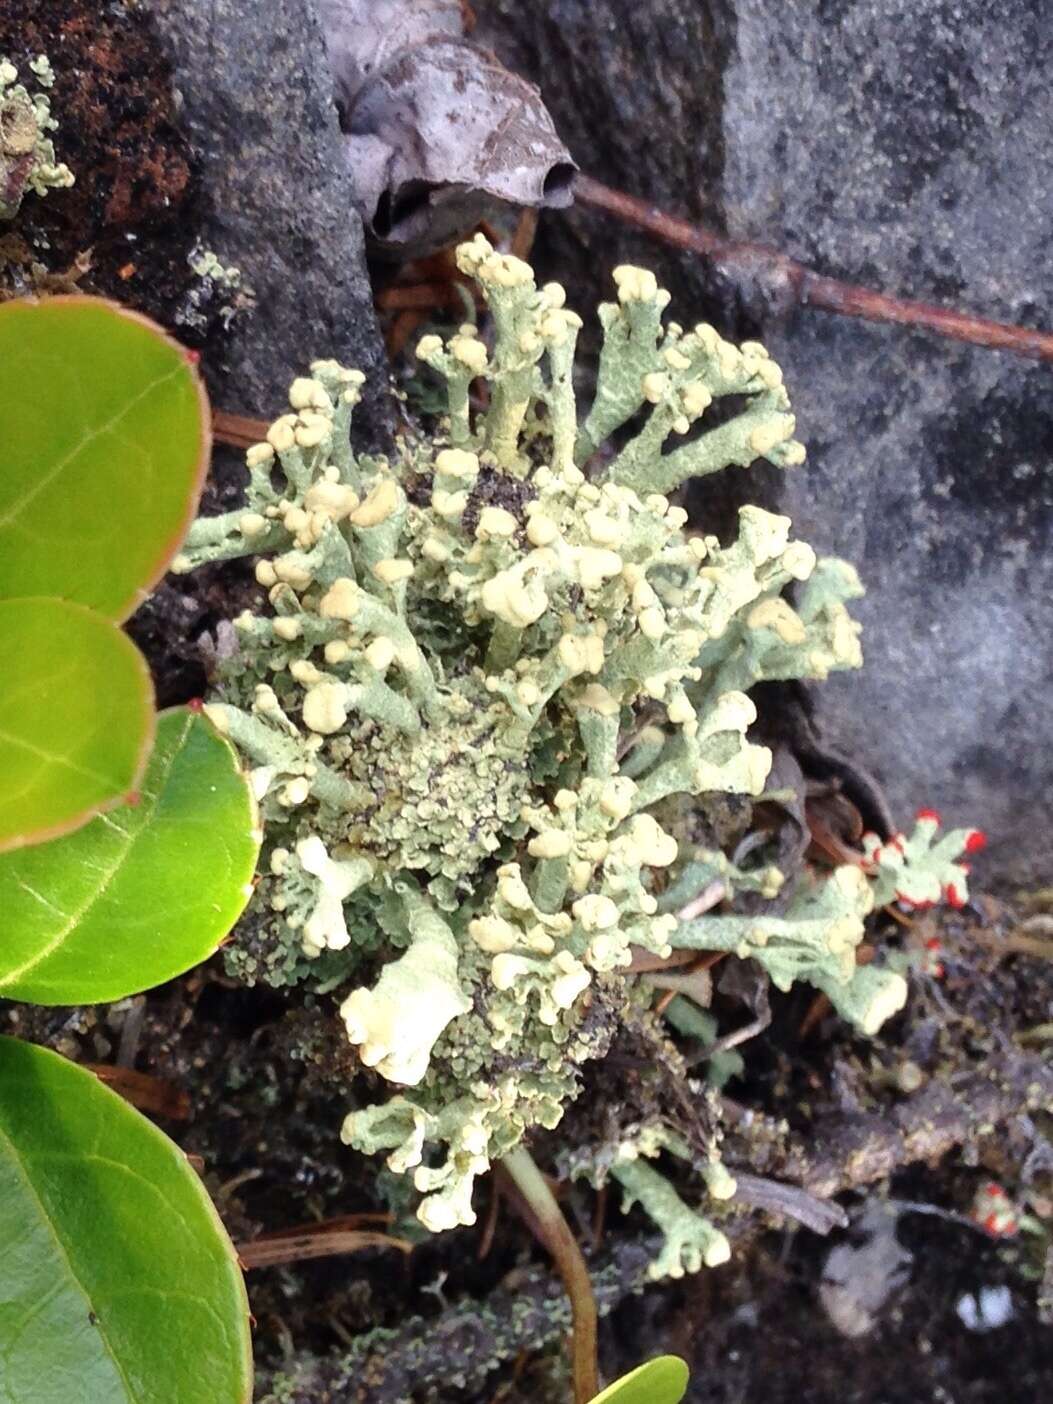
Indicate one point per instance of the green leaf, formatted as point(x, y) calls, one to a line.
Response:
point(661, 1381)
point(138, 896)
point(76, 717)
point(120, 1285)
point(105, 431)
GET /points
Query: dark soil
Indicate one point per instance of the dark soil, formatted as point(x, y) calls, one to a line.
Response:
point(132, 206)
point(125, 230)
point(269, 1078)
point(766, 1336)
point(269, 1081)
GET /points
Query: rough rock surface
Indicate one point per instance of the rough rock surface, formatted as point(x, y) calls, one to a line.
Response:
point(257, 103)
point(634, 91)
point(904, 145)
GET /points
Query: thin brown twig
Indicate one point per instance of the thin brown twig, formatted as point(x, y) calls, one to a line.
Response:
point(418, 297)
point(334, 1225)
point(729, 1041)
point(403, 327)
point(794, 284)
point(693, 983)
point(486, 1238)
point(1016, 943)
point(525, 231)
point(643, 962)
point(243, 1177)
point(820, 1006)
point(238, 430)
point(816, 1012)
point(846, 1151)
point(709, 959)
point(507, 1387)
point(664, 1003)
point(269, 1250)
point(900, 917)
point(599, 1216)
point(829, 843)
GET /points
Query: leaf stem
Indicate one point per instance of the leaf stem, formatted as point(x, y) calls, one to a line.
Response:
point(554, 1232)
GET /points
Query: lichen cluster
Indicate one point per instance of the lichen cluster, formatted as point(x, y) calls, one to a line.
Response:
point(27, 153)
point(492, 669)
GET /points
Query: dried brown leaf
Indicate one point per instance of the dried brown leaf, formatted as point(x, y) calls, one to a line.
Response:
point(438, 133)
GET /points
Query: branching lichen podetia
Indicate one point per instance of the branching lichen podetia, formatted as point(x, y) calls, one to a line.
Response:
point(492, 665)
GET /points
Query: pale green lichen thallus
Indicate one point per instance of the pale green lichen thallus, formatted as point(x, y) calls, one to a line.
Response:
point(27, 153)
point(491, 666)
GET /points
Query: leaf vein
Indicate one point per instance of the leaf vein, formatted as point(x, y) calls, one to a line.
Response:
point(61, 1246)
point(46, 479)
point(147, 806)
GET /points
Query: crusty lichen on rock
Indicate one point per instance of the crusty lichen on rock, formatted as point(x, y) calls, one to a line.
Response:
point(489, 664)
point(27, 153)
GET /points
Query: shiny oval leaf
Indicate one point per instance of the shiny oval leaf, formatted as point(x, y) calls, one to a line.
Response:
point(105, 429)
point(138, 895)
point(120, 1285)
point(76, 717)
point(660, 1381)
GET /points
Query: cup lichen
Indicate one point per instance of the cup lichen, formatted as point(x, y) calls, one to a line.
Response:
point(490, 664)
